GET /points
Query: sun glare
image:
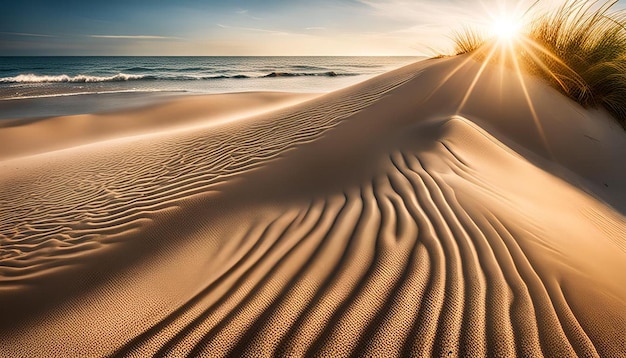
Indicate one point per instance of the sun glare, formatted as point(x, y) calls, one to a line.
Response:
point(505, 28)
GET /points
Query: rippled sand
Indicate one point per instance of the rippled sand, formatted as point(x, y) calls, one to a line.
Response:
point(401, 216)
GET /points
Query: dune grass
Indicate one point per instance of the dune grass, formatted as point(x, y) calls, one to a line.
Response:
point(579, 48)
point(468, 39)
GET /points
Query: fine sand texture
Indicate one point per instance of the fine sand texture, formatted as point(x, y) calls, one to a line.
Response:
point(425, 212)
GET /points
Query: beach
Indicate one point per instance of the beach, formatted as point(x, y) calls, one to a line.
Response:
point(443, 208)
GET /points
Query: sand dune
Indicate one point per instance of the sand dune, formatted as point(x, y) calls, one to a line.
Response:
point(22, 137)
point(403, 216)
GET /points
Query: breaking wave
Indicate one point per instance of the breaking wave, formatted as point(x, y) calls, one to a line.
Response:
point(32, 78)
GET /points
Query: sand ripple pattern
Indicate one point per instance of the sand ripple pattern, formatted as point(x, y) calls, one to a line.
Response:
point(395, 264)
point(91, 199)
point(395, 267)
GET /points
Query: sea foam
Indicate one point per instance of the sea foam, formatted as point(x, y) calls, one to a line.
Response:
point(32, 78)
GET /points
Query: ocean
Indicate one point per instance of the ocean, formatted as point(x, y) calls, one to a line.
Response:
point(107, 83)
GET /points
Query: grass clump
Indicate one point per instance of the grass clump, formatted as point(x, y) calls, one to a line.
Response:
point(468, 40)
point(590, 40)
point(579, 48)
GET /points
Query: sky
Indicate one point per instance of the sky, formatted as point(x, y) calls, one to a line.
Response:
point(237, 27)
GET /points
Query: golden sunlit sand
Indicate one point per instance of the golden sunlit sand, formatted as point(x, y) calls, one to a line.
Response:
point(447, 208)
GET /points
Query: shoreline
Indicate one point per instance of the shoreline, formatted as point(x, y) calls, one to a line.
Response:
point(64, 104)
point(47, 106)
point(69, 104)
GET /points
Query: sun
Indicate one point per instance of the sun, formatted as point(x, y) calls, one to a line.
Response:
point(505, 28)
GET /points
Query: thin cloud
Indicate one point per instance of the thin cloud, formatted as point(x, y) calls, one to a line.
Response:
point(253, 29)
point(423, 11)
point(315, 28)
point(25, 34)
point(246, 13)
point(431, 12)
point(135, 37)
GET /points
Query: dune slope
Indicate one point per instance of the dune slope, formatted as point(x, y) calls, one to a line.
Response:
point(403, 216)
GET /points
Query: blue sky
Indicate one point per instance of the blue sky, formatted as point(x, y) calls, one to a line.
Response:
point(240, 27)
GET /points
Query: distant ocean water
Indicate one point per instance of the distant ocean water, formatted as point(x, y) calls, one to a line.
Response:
point(33, 77)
